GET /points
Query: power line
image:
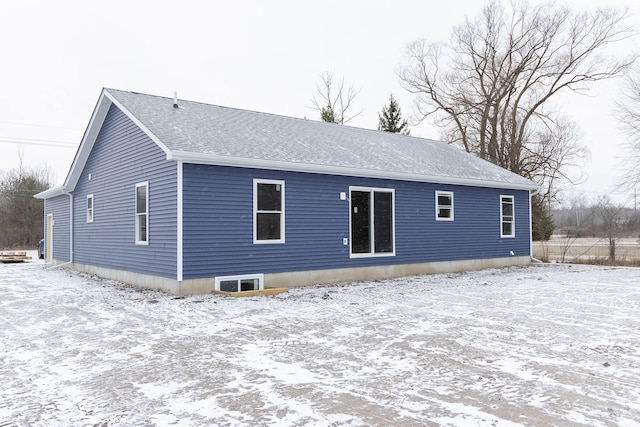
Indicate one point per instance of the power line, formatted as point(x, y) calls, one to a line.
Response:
point(43, 142)
point(39, 125)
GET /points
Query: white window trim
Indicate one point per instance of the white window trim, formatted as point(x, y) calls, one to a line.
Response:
point(90, 212)
point(372, 230)
point(444, 193)
point(135, 206)
point(513, 219)
point(240, 277)
point(257, 181)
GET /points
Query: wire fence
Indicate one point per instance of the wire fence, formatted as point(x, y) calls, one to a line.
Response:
point(582, 250)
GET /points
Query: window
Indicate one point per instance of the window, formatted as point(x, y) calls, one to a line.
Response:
point(142, 213)
point(444, 206)
point(268, 211)
point(90, 208)
point(372, 222)
point(240, 283)
point(507, 228)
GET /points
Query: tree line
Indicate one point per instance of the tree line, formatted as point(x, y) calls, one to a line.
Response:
point(599, 217)
point(491, 88)
point(21, 220)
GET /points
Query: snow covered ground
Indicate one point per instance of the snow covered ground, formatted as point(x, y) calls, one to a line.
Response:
point(546, 345)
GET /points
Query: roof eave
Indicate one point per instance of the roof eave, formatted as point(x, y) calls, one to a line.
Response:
point(88, 139)
point(210, 159)
point(51, 192)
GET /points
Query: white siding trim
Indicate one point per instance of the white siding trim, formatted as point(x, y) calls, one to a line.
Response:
point(49, 242)
point(179, 252)
point(70, 227)
point(531, 194)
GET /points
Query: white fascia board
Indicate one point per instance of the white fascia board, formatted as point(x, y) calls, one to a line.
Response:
point(52, 192)
point(88, 139)
point(91, 134)
point(210, 159)
point(138, 123)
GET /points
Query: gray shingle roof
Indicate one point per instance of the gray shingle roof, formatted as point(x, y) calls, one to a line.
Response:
point(215, 134)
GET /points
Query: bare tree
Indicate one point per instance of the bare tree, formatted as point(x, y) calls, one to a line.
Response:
point(628, 115)
point(333, 100)
point(490, 87)
point(611, 216)
point(20, 213)
point(20, 159)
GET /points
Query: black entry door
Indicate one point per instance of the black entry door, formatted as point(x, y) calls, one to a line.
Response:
point(360, 222)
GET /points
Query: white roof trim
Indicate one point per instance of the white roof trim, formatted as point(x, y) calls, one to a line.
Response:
point(211, 159)
point(91, 134)
point(138, 123)
point(52, 192)
point(86, 145)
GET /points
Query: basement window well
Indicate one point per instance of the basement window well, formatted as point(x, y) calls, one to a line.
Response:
point(254, 282)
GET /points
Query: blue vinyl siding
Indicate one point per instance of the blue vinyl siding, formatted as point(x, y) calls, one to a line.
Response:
point(59, 207)
point(218, 223)
point(121, 157)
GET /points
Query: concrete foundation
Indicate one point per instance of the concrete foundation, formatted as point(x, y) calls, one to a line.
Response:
point(301, 278)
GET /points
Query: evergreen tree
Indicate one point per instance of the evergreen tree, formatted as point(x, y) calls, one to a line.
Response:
point(390, 120)
point(541, 220)
point(327, 114)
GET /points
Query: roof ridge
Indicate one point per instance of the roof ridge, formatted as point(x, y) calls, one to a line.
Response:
point(319, 122)
point(230, 136)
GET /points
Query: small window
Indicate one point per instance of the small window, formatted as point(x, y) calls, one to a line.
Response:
point(268, 211)
point(507, 219)
point(90, 208)
point(444, 206)
point(240, 283)
point(142, 213)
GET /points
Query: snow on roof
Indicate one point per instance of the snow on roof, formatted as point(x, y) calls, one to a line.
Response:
point(200, 132)
point(195, 132)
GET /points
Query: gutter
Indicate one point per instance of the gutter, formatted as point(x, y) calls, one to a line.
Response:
point(242, 162)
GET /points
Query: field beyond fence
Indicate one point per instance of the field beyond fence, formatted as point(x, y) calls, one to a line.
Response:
point(587, 250)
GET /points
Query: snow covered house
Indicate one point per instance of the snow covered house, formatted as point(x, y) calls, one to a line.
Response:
point(188, 197)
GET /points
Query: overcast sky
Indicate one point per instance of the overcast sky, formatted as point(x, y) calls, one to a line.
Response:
point(258, 55)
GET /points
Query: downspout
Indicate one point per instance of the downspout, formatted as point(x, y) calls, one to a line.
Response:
point(531, 194)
